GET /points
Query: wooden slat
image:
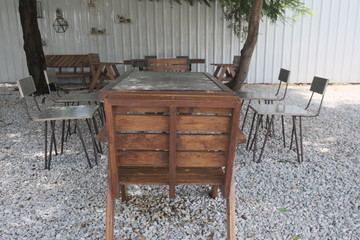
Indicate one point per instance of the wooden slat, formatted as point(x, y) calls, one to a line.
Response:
point(199, 159)
point(102, 135)
point(220, 111)
point(141, 123)
point(159, 176)
point(142, 141)
point(142, 158)
point(132, 109)
point(202, 142)
point(203, 124)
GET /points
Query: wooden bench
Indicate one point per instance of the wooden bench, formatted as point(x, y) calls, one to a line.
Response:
point(167, 139)
point(75, 65)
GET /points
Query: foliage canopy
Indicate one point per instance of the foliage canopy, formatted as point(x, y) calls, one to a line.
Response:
point(237, 12)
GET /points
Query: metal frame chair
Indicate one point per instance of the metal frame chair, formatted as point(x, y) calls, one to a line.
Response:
point(266, 97)
point(52, 114)
point(318, 86)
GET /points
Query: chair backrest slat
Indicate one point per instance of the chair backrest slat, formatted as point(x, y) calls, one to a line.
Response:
point(26, 86)
point(173, 132)
point(168, 64)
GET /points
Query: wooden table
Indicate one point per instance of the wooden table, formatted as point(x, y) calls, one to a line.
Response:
point(102, 70)
point(143, 61)
point(172, 82)
point(224, 69)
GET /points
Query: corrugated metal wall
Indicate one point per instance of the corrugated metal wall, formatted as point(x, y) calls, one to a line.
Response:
point(324, 45)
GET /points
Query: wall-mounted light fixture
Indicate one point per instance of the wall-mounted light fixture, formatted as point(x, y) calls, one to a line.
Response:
point(60, 24)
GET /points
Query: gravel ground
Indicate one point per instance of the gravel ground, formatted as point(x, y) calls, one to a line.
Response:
point(276, 199)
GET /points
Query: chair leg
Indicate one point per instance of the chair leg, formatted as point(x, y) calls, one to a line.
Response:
point(110, 207)
point(214, 191)
point(62, 136)
point(283, 130)
point(251, 128)
point(93, 140)
point(301, 140)
point(46, 155)
point(230, 214)
point(97, 132)
point(296, 139)
point(268, 132)
point(255, 136)
point(83, 143)
point(52, 123)
point(123, 193)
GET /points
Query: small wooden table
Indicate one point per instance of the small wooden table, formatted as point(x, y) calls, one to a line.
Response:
point(224, 69)
point(100, 71)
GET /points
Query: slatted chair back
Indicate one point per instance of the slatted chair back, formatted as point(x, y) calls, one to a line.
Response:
point(172, 140)
point(168, 64)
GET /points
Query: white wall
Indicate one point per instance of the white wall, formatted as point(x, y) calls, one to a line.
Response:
point(323, 45)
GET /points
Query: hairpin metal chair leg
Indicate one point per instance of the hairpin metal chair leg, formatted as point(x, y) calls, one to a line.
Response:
point(255, 137)
point(82, 142)
point(301, 141)
point(268, 133)
point(46, 154)
point(296, 139)
point(251, 128)
point(97, 132)
point(52, 123)
point(93, 140)
point(62, 136)
point(283, 129)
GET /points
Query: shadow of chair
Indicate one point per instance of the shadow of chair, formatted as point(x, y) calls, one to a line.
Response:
point(318, 86)
point(168, 65)
point(187, 140)
point(53, 114)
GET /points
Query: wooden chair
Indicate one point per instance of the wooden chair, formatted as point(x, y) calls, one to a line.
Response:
point(187, 140)
point(168, 64)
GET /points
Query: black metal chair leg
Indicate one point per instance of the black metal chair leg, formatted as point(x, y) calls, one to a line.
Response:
point(93, 140)
point(83, 143)
point(53, 135)
point(51, 144)
point(251, 128)
point(255, 137)
point(283, 130)
point(301, 140)
point(62, 136)
point(46, 155)
point(261, 119)
point(97, 132)
point(268, 132)
point(296, 139)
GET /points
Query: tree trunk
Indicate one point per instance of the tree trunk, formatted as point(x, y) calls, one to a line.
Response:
point(32, 44)
point(249, 46)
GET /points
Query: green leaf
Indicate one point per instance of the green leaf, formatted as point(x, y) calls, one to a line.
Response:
point(282, 209)
point(296, 237)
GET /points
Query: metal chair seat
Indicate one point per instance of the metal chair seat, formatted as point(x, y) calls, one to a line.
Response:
point(280, 110)
point(261, 96)
point(83, 98)
point(66, 113)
